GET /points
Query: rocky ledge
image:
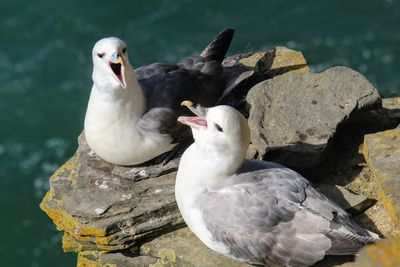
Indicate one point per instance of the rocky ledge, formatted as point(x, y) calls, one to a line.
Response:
point(333, 127)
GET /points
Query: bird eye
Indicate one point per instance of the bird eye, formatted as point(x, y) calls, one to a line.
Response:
point(124, 50)
point(100, 55)
point(219, 128)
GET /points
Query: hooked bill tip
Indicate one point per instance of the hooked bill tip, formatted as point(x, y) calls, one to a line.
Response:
point(187, 103)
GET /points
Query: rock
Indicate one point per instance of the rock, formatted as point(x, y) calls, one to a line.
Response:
point(265, 65)
point(352, 203)
point(116, 259)
point(382, 153)
point(251, 152)
point(110, 207)
point(392, 103)
point(388, 117)
point(382, 254)
point(71, 244)
point(390, 112)
point(183, 248)
point(377, 219)
point(276, 61)
point(178, 248)
point(293, 118)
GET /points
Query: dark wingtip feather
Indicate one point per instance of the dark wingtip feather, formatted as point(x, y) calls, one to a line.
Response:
point(217, 49)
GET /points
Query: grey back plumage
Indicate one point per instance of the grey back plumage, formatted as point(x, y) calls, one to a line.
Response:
point(199, 79)
point(272, 216)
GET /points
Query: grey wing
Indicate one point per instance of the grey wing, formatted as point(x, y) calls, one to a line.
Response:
point(197, 78)
point(151, 76)
point(347, 236)
point(164, 121)
point(165, 87)
point(268, 218)
point(260, 219)
point(193, 79)
point(318, 203)
point(161, 114)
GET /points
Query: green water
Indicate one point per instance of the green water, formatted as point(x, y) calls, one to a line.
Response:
point(45, 77)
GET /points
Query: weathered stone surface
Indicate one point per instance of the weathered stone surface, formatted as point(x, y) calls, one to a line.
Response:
point(182, 248)
point(377, 219)
point(265, 65)
point(385, 253)
point(178, 248)
point(392, 103)
point(382, 153)
point(388, 117)
point(277, 61)
point(109, 206)
point(353, 203)
point(293, 118)
point(391, 110)
point(251, 152)
point(71, 244)
point(116, 259)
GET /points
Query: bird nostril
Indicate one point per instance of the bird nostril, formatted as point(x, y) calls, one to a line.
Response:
point(115, 57)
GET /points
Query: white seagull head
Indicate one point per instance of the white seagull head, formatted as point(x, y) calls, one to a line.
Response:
point(221, 130)
point(110, 64)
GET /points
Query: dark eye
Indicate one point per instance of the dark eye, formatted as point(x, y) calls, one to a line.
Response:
point(124, 50)
point(100, 55)
point(219, 128)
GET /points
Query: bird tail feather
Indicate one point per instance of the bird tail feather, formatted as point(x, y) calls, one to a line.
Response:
point(217, 49)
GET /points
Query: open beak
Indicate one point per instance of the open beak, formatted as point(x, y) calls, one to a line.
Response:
point(198, 121)
point(118, 68)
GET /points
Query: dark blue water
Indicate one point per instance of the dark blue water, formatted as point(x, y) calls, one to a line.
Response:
point(45, 69)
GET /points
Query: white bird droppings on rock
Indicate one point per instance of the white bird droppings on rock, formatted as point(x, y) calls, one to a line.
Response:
point(143, 173)
point(126, 196)
point(99, 211)
point(103, 185)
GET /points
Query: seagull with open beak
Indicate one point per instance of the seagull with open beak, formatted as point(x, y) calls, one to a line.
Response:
point(131, 116)
point(253, 211)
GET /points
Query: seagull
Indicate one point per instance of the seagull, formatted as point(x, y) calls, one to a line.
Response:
point(253, 211)
point(131, 115)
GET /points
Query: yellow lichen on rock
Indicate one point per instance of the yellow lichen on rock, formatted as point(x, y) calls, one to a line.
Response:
point(385, 253)
point(53, 207)
point(167, 258)
point(182, 248)
point(93, 259)
point(287, 58)
point(86, 262)
point(69, 243)
point(278, 61)
point(253, 59)
point(391, 103)
point(382, 153)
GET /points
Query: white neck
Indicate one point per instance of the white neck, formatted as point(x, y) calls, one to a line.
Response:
point(201, 170)
point(197, 174)
point(124, 106)
point(112, 124)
